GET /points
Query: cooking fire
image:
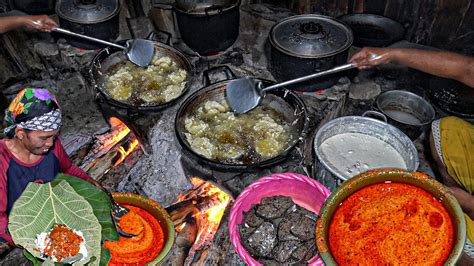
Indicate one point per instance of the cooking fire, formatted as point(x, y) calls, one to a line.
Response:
point(236, 132)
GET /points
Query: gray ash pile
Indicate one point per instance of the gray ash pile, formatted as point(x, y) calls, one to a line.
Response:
point(279, 231)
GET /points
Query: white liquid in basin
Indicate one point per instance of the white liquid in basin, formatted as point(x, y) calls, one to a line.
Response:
point(403, 117)
point(354, 153)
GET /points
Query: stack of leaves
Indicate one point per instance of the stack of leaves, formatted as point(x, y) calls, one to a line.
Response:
point(66, 200)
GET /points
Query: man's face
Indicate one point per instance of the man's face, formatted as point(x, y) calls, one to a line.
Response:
point(39, 142)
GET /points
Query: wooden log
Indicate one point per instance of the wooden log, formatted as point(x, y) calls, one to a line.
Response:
point(183, 243)
point(447, 18)
point(464, 41)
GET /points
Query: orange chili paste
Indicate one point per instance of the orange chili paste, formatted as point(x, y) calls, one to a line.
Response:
point(63, 242)
point(391, 224)
point(142, 248)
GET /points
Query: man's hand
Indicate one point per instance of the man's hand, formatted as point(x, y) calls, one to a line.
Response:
point(369, 57)
point(39, 22)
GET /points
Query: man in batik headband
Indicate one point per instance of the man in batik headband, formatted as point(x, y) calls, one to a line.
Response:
point(32, 152)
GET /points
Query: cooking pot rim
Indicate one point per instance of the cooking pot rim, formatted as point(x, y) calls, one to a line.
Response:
point(60, 14)
point(229, 166)
point(360, 118)
point(141, 108)
point(201, 13)
point(345, 47)
point(411, 94)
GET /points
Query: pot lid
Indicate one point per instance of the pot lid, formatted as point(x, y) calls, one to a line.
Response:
point(87, 11)
point(311, 36)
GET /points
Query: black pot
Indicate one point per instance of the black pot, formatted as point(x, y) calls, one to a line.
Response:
point(209, 26)
point(95, 18)
point(451, 96)
point(373, 30)
point(286, 102)
point(305, 44)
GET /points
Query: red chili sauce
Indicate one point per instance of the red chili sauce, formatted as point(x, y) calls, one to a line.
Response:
point(391, 224)
point(142, 248)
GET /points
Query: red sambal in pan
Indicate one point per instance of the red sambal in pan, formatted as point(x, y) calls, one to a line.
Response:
point(145, 246)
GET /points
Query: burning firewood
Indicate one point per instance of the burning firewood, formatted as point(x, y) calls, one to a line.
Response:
point(184, 241)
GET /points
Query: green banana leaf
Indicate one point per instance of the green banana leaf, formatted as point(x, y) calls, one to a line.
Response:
point(101, 207)
point(97, 199)
point(41, 206)
point(33, 259)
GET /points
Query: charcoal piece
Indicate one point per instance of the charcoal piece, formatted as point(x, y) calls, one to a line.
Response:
point(284, 228)
point(281, 202)
point(312, 250)
point(301, 253)
point(268, 262)
point(274, 207)
point(283, 250)
point(311, 215)
point(304, 228)
point(262, 240)
point(251, 219)
point(245, 231)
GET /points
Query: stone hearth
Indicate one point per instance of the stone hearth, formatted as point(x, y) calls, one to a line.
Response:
point(161, 173)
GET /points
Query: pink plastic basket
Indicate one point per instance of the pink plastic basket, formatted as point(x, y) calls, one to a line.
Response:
point(304, 191)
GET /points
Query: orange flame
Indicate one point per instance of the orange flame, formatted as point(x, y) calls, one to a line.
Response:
point(210, 219)
point(119, 128)
point(124, 153)
point(180, 227)
point(120, 131)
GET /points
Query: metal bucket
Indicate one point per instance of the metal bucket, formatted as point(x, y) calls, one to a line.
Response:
point(367, 126)
point(407, 111)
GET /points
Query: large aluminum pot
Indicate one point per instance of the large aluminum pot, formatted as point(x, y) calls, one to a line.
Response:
point(305, 44)
point(108, 58)
point(367, 126)
point(420, 180)
point(288, 104)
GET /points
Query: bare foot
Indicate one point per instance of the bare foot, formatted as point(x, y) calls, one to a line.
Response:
point(465, 199)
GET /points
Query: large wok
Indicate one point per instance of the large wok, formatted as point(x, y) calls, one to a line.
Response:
point(287, 103)
point(109, 57)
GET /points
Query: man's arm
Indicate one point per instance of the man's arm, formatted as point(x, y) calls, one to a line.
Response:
point(4, 236)
point(439, 63)
point(39, 22)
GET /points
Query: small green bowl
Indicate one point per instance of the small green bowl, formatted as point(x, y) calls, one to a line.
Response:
point(158, 212)
point(395, 175)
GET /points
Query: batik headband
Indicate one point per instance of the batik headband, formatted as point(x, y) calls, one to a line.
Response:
point(47, 122)
point(34, 109)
